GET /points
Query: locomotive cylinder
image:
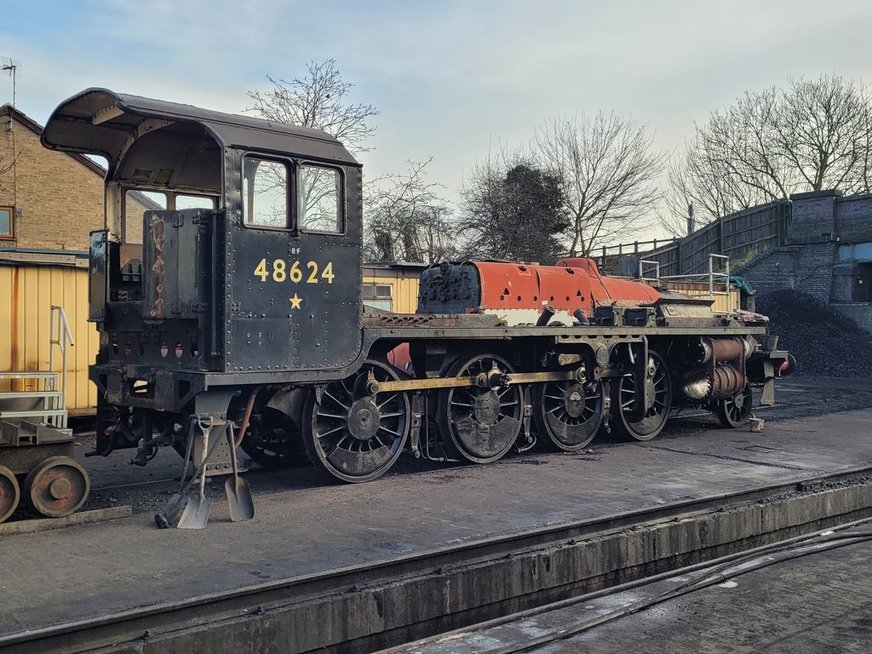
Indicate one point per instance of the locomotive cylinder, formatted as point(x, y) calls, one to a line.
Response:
point(723, 381)
point(719, 350)
point(728, 349)
point(727, 380)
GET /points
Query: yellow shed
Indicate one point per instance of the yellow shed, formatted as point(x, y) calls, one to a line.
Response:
point(30, 284)
point(392, 287)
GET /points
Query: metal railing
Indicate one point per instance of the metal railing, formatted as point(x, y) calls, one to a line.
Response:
point(714, 278)
point(62, 336)
point(651, 264)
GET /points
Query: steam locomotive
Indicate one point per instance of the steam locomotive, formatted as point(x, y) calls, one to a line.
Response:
point(226, 287)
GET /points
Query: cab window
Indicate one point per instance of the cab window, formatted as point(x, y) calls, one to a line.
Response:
point(319, 192)
point(194, 202)
point(136, 203)
point(265, 193)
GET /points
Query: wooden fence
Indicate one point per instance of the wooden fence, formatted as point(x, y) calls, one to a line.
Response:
point(740, 236)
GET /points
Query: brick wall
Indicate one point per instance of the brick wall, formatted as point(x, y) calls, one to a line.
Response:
point(58, 199)
point(772, 271)
point(820, 222)
point(854, 219)
point(806, 262)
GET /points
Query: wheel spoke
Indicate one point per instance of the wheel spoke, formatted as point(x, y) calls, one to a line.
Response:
point(331, 415)
point(332, 431)
point(386, 401)
point(337, 400)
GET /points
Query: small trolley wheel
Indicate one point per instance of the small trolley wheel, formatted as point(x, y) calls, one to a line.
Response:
point(655, 416)
point(735, 411)
point(57, 487)
point(9, 493)
point(480, 423)
point(567, 414)
point(351, 435)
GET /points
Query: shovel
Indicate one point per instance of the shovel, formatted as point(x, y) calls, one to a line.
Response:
point(238, 491)
point(170, 514)
point(195, 514)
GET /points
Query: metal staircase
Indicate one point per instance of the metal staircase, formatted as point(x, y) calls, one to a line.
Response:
point(45, 397)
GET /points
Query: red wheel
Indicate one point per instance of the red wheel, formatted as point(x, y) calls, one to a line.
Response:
point(9, 493)
point(57, 487)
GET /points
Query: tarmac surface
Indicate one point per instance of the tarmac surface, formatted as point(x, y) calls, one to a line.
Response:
point(309, 527)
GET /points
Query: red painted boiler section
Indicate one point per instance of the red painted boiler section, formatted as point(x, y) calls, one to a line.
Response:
point(571, 284)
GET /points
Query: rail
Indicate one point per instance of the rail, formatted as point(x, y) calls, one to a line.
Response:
point(62, 336)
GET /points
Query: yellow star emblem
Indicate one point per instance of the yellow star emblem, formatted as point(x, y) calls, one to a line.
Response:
point(295, 301)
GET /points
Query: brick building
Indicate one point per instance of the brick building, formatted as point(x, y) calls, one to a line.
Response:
point(48, 200)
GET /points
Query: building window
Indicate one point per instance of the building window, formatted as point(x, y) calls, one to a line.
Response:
point(378, 296)
point(7, 222)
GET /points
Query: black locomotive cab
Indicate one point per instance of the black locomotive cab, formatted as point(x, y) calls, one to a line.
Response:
point(231, 246)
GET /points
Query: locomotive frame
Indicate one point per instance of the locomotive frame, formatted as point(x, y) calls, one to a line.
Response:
point(242, 303)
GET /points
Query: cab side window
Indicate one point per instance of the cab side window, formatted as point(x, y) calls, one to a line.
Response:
point(320, 199)
point(265, 193)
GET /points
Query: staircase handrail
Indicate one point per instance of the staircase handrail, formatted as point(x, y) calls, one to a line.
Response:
point(62, 336)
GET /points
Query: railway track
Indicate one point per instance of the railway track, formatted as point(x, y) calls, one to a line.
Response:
point(546, 627)
point(400, 599)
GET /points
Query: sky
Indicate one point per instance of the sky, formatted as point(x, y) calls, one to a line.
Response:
point(452, 80)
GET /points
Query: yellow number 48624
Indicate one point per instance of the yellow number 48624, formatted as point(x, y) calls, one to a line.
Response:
point(279, 271)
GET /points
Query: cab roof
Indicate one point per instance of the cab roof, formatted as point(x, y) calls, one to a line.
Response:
point(103, 122)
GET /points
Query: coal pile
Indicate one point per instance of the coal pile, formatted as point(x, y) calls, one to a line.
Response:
point(824, 342)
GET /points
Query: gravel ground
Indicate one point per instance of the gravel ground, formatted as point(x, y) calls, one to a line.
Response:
point(824, 342)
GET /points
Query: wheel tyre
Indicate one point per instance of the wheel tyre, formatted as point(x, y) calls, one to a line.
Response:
point(472, 440)
point(57, 487)
point(10, 493)
point(352, 458)
point(652, 424)
point(734, 411)
point(557, 428)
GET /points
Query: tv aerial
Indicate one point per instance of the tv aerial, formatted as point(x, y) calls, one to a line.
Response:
point(12, 68)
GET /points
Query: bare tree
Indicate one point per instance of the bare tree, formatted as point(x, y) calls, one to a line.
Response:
point(811, 135)
point(319, 100)
point(512, 209)
point(407, 219)
point(608, 168)
point(824, 133)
